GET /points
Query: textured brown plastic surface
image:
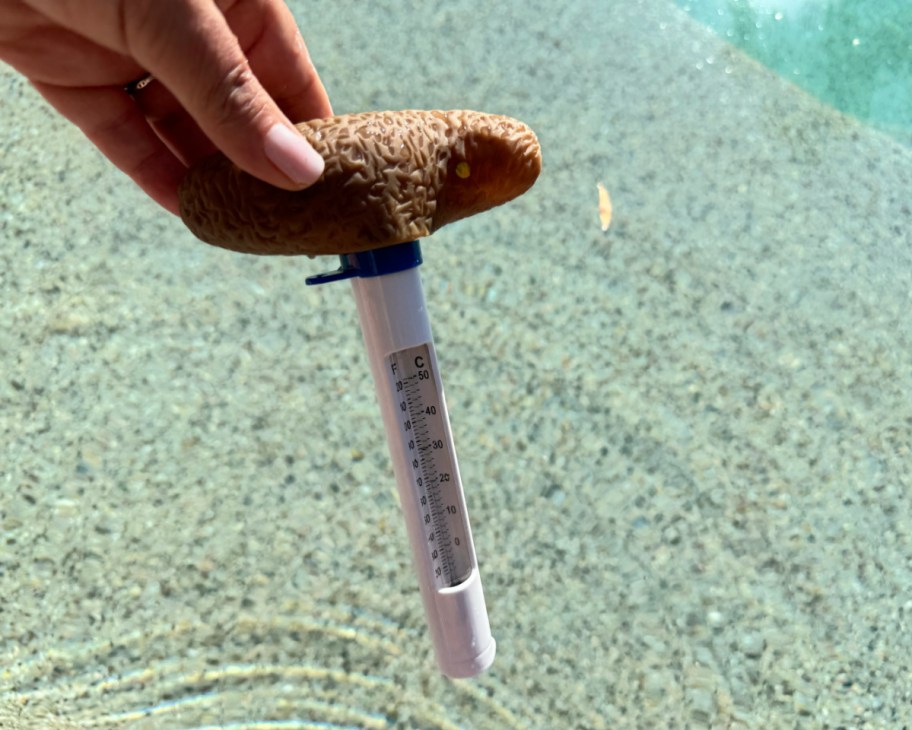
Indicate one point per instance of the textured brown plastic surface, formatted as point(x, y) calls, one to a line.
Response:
point(390, 177)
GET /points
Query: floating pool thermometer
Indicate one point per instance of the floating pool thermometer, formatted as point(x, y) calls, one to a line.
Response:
point(390, 177)
point(397, 335)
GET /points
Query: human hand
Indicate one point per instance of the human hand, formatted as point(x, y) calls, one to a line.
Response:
point(228, 75)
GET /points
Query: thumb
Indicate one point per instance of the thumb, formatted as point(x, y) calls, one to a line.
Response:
point(190, 48)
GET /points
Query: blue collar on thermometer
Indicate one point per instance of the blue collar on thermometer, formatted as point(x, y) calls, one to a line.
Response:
point(397, 335)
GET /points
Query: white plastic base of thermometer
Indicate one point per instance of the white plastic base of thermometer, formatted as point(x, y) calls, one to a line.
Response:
point(396, 332)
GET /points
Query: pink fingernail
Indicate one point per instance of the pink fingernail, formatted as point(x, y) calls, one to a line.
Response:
point(293, 155)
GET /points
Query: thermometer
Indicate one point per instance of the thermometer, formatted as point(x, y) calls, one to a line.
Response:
point(397, 335)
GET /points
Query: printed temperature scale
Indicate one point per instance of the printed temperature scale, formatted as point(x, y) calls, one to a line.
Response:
point(397, 335)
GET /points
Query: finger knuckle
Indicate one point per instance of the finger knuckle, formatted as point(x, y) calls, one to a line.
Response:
point(234, 98)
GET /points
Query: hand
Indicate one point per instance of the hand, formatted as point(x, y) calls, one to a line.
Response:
point(228, 75)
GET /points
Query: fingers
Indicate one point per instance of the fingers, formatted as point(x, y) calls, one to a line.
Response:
point(215, 73)
point(110, 119)
point(172, 123)
point(192, 50)
point(273, 44)
point(49, 53)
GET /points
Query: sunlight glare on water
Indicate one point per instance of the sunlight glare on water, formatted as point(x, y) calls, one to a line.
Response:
point(853, 54)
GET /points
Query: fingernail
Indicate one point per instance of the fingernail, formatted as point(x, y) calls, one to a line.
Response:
point(293, 155)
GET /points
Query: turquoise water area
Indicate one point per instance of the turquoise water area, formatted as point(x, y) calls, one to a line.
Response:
point(853, 54)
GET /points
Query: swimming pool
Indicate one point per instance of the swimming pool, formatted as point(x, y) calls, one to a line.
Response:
point(685, 440)
point(853, 54)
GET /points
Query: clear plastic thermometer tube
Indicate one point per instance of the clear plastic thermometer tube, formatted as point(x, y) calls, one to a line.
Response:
point(397, 334)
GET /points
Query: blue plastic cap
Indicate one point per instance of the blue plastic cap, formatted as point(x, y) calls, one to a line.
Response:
point(376, 262)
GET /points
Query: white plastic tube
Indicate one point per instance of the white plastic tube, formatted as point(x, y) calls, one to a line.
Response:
point(394, 319)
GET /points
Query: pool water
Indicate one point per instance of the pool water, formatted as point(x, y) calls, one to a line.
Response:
point(853, 54)
point(685, 441)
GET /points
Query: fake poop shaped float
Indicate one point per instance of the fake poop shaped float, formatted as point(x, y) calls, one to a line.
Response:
point(390, 178)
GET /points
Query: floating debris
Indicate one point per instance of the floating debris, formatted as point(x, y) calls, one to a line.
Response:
point(604, 206)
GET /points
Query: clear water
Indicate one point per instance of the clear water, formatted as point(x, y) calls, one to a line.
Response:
point(853, 54)
point(686, 441)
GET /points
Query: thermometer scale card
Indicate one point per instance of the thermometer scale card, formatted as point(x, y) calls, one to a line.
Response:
point(424, 428)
